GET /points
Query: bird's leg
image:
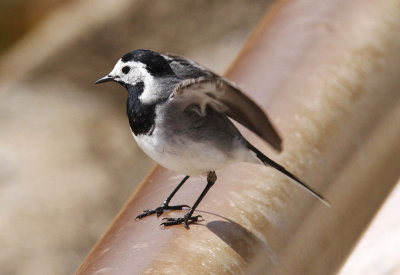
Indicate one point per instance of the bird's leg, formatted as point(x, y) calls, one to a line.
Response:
point(165, 204)
point(188, 218)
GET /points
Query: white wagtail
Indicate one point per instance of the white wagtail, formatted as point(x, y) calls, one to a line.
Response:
point(179, 115)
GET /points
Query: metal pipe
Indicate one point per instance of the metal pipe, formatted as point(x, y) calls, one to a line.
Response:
point(327, 74)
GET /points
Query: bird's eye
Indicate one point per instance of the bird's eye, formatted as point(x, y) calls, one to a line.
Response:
point(126, 69)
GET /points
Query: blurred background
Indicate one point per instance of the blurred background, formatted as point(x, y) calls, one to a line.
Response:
point(68, 161)
point(67, 158)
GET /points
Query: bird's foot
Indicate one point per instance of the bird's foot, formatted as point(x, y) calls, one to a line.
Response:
point(186, 220)
point(159, 210)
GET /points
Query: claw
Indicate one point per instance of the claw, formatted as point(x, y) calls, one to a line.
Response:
point(145, 213)
point(159, 210)
point(185, 220)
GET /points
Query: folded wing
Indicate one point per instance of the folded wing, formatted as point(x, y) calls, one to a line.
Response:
point(225, 97)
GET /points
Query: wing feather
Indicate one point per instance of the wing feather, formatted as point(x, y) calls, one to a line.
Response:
point(225, 97)
point(185, 68)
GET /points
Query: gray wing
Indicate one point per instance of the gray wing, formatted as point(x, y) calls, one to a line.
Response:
point(224, 97)
point(186, 68)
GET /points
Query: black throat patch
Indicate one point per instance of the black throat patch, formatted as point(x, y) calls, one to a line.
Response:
point(141, 116)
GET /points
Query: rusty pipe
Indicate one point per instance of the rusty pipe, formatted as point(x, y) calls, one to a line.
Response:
point(327, 74)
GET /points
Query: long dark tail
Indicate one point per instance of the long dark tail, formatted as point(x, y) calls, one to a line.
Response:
point(270, 162)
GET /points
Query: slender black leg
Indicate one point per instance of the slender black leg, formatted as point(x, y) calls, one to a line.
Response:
point(165, 204)
point(188, 218)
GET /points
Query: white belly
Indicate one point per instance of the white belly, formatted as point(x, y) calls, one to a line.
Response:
point(183, 156)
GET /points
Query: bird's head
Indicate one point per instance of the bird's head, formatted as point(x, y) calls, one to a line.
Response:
point(143, 67)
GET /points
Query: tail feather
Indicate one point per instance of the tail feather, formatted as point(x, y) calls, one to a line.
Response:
point(267, 161)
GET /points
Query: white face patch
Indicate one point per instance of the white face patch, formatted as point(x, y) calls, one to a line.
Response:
point(150, 92)
point(132, 72)
point(129, 72)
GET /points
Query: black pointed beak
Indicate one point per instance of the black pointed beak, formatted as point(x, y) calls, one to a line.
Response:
point(105, 79)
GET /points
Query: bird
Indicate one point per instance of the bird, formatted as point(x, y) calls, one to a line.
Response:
point(180, 115)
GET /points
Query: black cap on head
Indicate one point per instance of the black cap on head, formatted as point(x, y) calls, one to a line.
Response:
point(156, 65)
